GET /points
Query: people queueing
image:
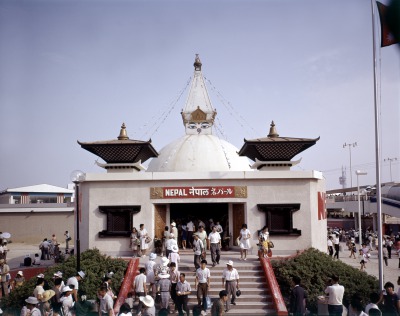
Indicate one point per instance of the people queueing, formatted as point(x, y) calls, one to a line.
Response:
point(73, 282)
point(174, 255)
point(106, 302)
point(139, 286)
point(164, 288)
point(298, 298)
point(174, 278)
point(335, 293)
point(230, 281)
point(150, 273)
point(183, 291)
point(215, 245)
point(198, 249)
point(202, 284)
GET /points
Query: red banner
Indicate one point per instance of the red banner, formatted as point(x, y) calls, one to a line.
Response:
point(198, 192)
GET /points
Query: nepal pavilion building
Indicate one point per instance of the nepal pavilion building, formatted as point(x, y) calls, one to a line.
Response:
point(201, 176)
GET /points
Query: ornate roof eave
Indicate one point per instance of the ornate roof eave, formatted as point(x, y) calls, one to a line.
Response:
point(136, 165)
point(274, 164)
point(122, 150)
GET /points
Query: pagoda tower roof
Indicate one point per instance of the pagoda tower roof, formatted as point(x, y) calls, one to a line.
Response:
point(122, 149)
point(275, 148)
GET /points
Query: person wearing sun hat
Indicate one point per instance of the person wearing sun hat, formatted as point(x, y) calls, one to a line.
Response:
point(149, 308)
point(19, 280)
point(67, 301)
point(74, 281)
point(30, 308)
point(230, 281)
point(174, 255)
point(46, 306)
point(164, 287)
point(150, 266)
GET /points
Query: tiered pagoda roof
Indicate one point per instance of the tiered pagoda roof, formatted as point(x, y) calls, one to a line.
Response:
point(274, 148)
point(122, 150)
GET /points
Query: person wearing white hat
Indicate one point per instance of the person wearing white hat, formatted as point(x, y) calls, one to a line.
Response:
point(150, 275)
point(30, 308)
point(18, 280)
point(174, 231)
point(74, 282)
point(149, 308)
point(174, 255)
point(67, 301)
point(169, 243)
point(4, 270)
point(230, 280)
point(164, 287)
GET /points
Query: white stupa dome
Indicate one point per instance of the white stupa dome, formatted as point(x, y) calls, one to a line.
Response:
point(199, 153)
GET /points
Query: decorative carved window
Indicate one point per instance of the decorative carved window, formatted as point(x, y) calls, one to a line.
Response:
point(119, 220)
point(280, 218)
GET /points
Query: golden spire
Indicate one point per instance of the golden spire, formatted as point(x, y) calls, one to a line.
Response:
point(272, 131)
point(123, 135)
point(197, 63)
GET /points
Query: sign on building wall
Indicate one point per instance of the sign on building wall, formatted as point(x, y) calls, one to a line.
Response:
point(198, 192)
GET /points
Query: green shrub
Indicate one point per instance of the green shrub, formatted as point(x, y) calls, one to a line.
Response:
point(93, 263)
point(315, 268)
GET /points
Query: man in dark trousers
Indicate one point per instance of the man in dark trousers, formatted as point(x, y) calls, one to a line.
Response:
point(297, 298)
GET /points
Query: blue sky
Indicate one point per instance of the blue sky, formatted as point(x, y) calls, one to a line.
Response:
point(75, 70)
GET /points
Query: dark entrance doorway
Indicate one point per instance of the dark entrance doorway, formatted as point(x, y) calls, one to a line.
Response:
point(218, 212)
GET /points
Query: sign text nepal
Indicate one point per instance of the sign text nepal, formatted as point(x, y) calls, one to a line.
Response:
point(198, 192)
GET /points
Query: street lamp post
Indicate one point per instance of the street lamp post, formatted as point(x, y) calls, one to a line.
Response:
point(390, 166)
point(359, 173)
point(350, 145)
point(77, 177)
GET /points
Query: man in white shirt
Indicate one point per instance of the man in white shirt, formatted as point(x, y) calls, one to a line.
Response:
point(335, 300)
point(336, 245)
point(190, 229)
point(230, 280)
point(44, 247)
point(139, 284)
point(202, 285)
point(74, 282)
point(215, 246)
point(106, 302)
point(198, 249)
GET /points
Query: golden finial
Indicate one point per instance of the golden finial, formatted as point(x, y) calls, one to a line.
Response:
point(272, 131)
point(197, 63)
point(123, 135)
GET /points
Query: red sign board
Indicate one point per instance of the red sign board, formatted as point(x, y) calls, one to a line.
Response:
point(198, 192)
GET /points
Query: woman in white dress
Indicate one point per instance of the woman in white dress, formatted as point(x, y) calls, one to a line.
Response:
point(244, 238)
point(143, 245)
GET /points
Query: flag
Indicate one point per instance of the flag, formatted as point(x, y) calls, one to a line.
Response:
point(387, 37)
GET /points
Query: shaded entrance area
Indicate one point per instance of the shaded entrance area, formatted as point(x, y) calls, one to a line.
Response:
point(218, 212)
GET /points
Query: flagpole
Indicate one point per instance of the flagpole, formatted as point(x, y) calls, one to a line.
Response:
point(377, 155)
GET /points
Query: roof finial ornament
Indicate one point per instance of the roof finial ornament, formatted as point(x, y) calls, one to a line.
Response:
point(197, 63)
point(123, 135)
point(272, 131)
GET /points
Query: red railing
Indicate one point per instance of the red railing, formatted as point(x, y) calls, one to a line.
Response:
point(126, 287)
point(277, 298)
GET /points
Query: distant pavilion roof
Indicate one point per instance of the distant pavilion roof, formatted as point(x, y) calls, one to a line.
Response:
point(275, 148)
point(121, 150)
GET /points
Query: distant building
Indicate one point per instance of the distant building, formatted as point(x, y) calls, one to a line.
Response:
point(201, 177)
point(34, 212)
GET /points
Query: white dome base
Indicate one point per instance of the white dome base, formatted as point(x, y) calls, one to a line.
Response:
point(199, 153)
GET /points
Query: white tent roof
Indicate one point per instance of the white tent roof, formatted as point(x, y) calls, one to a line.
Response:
point(39, 188)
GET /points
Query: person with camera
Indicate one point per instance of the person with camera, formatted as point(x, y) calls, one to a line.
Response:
point(335, 298)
